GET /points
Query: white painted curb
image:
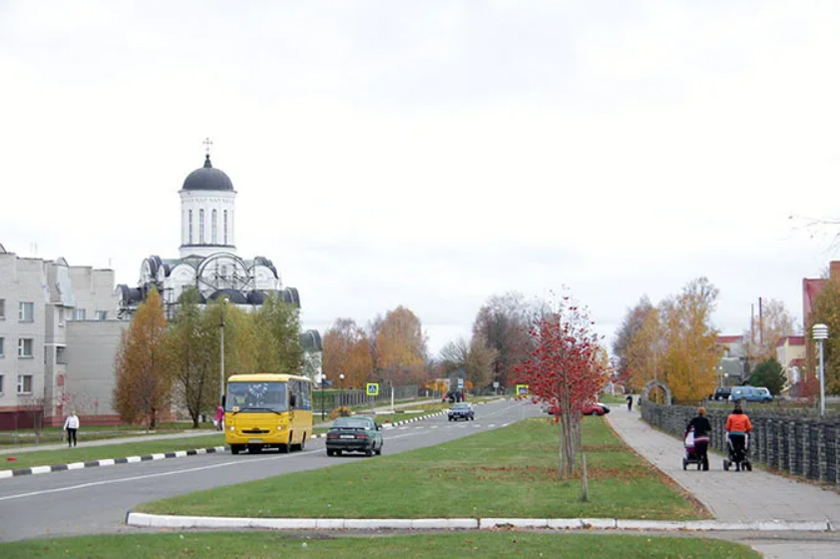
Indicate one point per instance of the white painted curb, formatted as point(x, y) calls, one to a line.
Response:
point(144, 520)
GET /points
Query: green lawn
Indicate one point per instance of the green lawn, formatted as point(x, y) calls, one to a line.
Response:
point(508, 472)
point(27, 438)
point(82, 453)
point(226, 545)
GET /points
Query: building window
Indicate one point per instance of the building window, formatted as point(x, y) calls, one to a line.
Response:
point(214, 236)
point(25, 347)
point(101, 315)
point(1, 384)
point(79, 314)
point(190, 227)
point(26, 312)
point(24, 384)
point(60, 357)
point(201, 227)
point(225, 231)
point(2, 354)
point(61, 316)
point(2, 309)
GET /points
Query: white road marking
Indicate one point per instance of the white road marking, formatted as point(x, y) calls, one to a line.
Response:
point(165, 474)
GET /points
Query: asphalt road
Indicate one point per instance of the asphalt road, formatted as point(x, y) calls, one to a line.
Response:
point(96, 500)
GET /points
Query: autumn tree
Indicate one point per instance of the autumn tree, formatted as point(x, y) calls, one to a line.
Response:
point(769, 374)
point(474, 358)
point(143, 379)
point(503, 323)
point(645, 352)
point(189, 342)
point(276, 338)
point(347, 350)
point(561, 371)
point(826, 310)
point(692, 352)
point(400, 348)
point(634, 321)
point(773, 322)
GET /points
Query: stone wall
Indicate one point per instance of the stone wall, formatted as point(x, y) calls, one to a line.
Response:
point(791, 441)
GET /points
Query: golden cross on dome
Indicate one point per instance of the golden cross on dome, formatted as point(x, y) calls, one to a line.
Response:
point(207, 143)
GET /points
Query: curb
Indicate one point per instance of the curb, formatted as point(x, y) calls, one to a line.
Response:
point(108, 462)
point(144, 520)
point(34, 470)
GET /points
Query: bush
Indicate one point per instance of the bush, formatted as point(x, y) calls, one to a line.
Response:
point(341, 411)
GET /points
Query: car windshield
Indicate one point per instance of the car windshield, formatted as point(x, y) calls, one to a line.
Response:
point(352, 423)
point(461, 407)
point(256, 397)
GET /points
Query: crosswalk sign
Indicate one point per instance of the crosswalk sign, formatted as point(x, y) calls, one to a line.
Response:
point(372, 389)
point(521, 389)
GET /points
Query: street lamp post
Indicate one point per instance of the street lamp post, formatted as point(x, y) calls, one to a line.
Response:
point(820, 332)
point(341, 378)
point(323, 404)
point(222, 355)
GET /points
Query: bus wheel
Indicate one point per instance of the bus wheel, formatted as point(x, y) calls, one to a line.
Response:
point(235, 448)
point(302, 445)
point(284, 448)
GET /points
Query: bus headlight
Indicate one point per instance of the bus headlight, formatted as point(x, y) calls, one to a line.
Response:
point(279, 427)
point(232, 428)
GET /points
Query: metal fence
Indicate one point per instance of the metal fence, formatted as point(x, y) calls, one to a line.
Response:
point(354, 398)
point(789, 441)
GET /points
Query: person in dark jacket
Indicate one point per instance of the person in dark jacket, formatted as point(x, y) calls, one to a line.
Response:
point(702, 429)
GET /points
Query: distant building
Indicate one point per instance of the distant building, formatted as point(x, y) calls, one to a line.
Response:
point(811, 288)
point(790, 353)
point(49, 312)
point(732, 366)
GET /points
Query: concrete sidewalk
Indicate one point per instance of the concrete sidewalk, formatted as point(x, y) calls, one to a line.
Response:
point(737, 496)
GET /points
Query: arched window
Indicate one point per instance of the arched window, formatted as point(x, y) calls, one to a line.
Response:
point(201, 227)
point(226, 227)
point(190, 226)
point(214, 237)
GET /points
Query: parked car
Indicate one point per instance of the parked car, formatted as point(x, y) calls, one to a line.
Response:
point(354, 434)
point(750, 394)
point(722, 393)
point(595, 408)
point(461, 410)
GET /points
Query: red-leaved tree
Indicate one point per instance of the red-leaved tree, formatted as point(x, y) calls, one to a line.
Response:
point(562, 372)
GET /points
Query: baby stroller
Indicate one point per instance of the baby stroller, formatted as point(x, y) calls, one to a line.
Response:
point(741, 460)
point(691, 454)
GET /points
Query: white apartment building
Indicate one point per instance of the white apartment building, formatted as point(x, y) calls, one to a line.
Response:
point(44, 305)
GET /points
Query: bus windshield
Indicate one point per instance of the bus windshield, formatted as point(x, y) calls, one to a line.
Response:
point(256, 397)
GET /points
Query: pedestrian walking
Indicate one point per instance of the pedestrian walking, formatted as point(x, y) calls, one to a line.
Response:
point(630, 402)
point(71, 425)
point(220, 418)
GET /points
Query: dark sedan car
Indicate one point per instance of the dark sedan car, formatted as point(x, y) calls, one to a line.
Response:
point(354, 434)
point(461, 410)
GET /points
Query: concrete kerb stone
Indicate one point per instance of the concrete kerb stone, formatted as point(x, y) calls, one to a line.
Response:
point(145, 520)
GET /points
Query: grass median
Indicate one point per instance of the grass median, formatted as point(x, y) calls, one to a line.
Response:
point(508, 472)
point(117, 450)
point(444, 546)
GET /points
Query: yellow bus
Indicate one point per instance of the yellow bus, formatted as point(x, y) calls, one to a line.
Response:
point(268, 411)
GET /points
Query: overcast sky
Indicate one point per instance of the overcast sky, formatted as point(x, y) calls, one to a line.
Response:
point(433, 154)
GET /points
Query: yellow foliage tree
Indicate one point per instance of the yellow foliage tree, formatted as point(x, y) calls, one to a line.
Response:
point(692, 352)
point(826, 310)
point(400, 347)
point(645, 350)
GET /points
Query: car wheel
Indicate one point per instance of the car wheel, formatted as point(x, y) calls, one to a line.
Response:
point(379, 450)
point(369, 451)
point(329, 452)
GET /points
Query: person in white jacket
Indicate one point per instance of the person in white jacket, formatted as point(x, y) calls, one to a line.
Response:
point(71, 425)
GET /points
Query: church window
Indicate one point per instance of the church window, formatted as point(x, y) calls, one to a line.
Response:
point(226, 227)
point(213, 229)
point(190, 225)
point(201, 227)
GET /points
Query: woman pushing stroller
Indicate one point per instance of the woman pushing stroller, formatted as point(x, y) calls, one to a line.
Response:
point(701, 427)
point(738, 428)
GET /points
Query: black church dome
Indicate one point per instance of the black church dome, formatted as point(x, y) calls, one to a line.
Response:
point(208, 178)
